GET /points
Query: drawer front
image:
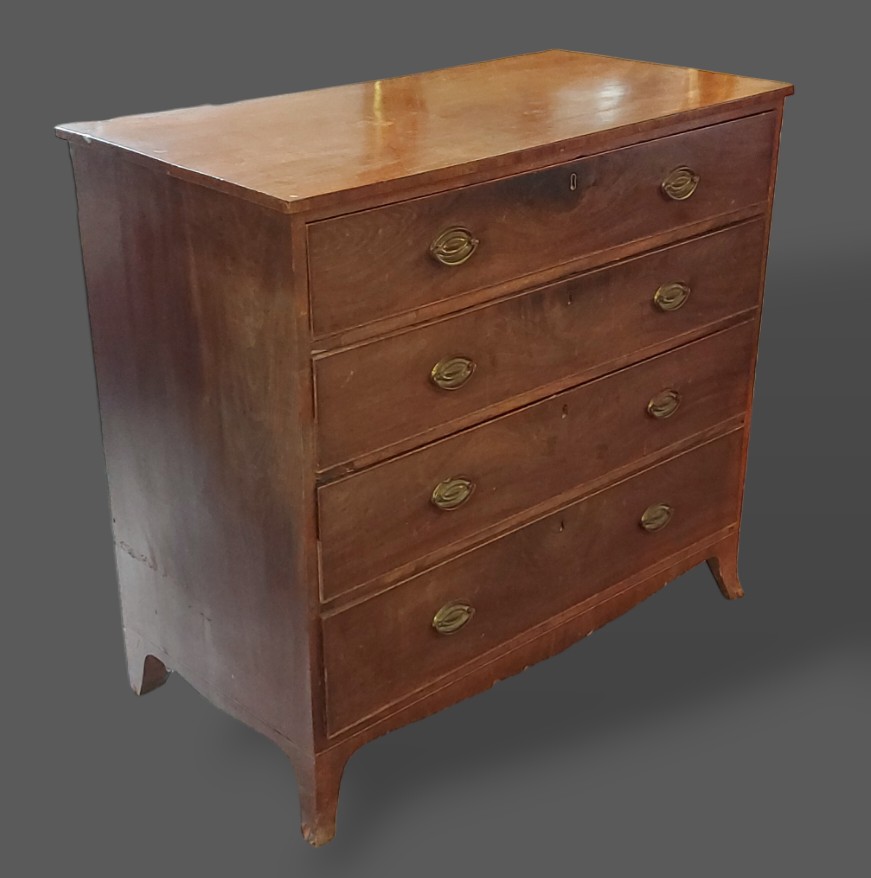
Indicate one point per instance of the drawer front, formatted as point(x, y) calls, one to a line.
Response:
point(377, 394)
point(383, 520)
point(387, 647)
point(392, 259)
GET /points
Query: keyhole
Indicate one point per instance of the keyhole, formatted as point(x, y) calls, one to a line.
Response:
point(565, 411)
point(573, 182)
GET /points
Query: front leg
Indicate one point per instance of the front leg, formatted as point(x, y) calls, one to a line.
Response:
point(318, 778)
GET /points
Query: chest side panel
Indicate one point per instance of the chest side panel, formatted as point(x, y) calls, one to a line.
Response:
point(206, 427)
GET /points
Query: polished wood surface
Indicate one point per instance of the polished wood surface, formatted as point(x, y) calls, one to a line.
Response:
point(538, 342)
point(382, 521)
point(521, 580)
point(446, 307)
point(375, 263)
point(263, 344)
point(289, 149)
point(201, 374)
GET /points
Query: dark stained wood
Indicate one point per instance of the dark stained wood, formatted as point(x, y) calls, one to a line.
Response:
point(319, 777)
point(201, 376)
point(534, 343)
point(537, 643)
point(216, 376)
point(724, 567)
point(376, 263)
point(382, 521)
point(437, 310)
point(385, 647)
point(289, 150)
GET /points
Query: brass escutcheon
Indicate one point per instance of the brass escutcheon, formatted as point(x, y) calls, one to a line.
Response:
point(453, 246)
point(664, 404)
point(656, 517)
point(452, 372)
point(452, 616)
point(671, 296)
point(680, 183)
point(452, 493)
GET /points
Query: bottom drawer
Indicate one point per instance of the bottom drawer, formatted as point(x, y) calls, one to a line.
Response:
point(386, 647)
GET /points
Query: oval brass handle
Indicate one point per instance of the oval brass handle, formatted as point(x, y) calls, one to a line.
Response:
point(680, 183)
point(664, 404)
point(452, 493)
point(453, 246)
point(656, 517)
point(452, 372)
point(670, 297)
point(452, 616)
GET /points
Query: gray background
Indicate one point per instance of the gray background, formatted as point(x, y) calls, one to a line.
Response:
point(693, 737)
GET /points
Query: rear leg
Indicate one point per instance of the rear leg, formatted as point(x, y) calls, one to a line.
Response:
point(145, 670)
point(724, 565)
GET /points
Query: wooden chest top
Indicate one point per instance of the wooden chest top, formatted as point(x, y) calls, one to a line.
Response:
point(289, 150)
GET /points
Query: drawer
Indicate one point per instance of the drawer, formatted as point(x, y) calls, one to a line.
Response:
point(384, 519)
point(392, 259)
point(521, 580)
point(377, 394)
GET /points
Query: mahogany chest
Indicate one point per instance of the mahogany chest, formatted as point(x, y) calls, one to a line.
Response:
point(406, 385)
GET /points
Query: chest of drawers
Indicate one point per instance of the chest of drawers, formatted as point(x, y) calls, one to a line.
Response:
point(409, 384)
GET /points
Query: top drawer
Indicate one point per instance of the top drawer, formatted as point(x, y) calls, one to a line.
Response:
point(387, 260)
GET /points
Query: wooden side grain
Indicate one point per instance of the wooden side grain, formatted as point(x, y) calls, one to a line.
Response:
point(202, 375)
point(725, 566)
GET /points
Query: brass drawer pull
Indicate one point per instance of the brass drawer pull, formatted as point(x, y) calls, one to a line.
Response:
point(453, 246)
point(656, 517)
point(664, 404)
point(451, 617)
point(452, 493)
point(680, 183)
point(670, 297)
point(452, 372)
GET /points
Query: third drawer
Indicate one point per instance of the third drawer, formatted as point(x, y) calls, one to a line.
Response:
point(432, 380)
point(397, 517)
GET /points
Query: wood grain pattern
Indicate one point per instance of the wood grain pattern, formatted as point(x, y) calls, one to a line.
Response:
point(385, 647)
point(374, 522)
point(542, 341)
point(289, 150)
point(375, 263)
point(201, 376)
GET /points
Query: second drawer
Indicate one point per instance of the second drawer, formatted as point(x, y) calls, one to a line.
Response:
point(391, 518)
